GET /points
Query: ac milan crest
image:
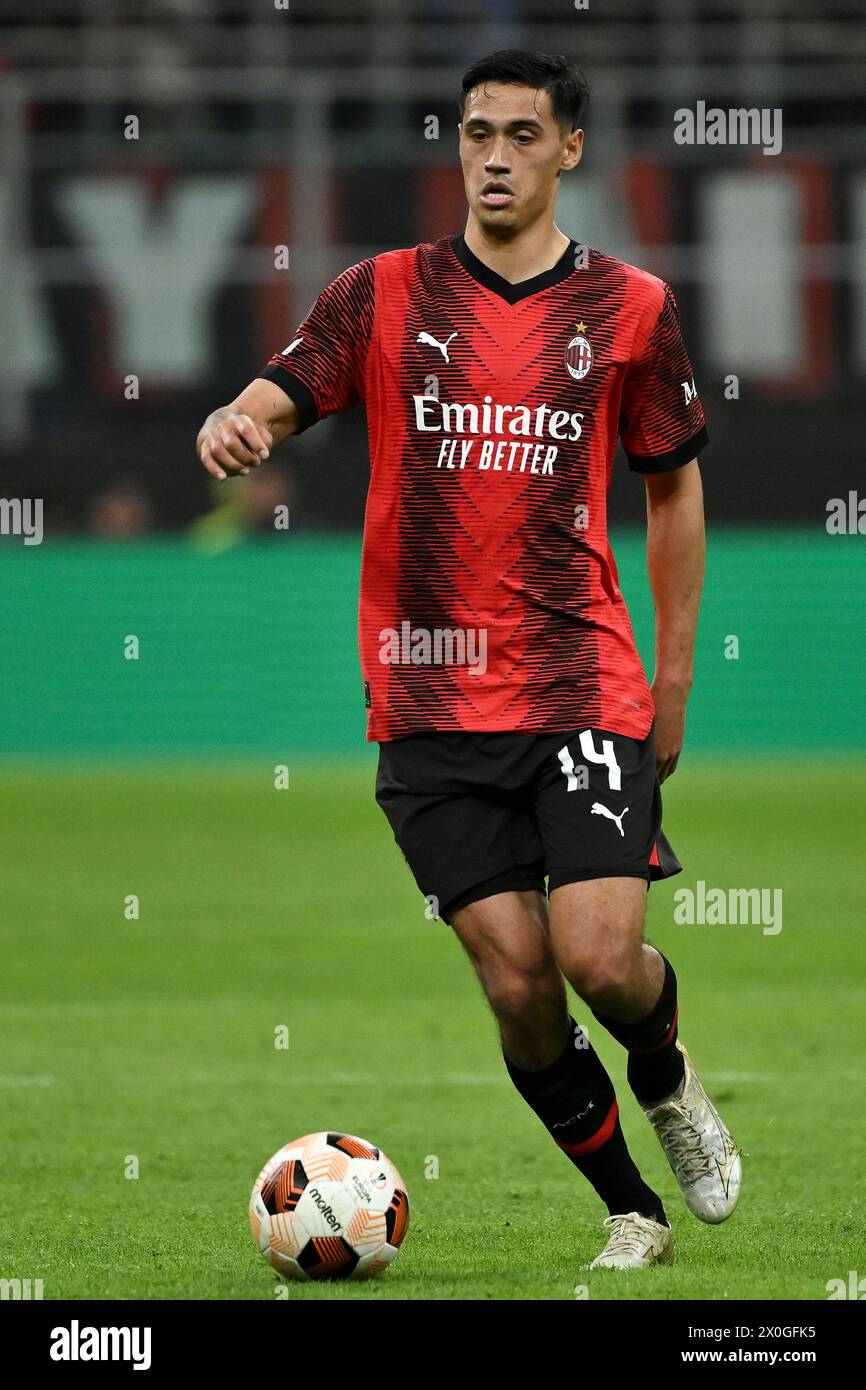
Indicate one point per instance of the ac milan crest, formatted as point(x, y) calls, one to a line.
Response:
point(578, 357)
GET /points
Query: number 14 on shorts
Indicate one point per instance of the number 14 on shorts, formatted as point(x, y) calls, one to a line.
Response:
point(606, 758)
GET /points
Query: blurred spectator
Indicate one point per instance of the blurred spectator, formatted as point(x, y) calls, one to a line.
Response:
point(260, 504)
point(270, 494)
point(121, 510)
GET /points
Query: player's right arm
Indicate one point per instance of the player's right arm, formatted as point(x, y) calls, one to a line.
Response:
point(320, 372)
point(239, 436)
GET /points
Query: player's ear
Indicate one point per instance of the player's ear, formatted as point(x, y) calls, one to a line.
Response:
point(573, 152)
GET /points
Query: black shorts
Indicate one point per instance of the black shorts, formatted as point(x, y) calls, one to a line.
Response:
point(477, 814)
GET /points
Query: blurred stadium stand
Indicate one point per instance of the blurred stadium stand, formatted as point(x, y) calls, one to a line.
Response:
point(309, 127)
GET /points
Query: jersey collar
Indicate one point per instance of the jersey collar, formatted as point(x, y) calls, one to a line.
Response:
point(512, 294)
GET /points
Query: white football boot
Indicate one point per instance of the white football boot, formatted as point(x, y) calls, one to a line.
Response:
point(635, 1242)
point(704, 1158)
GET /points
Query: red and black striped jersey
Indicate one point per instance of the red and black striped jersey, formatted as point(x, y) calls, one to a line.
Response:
point(489, 591)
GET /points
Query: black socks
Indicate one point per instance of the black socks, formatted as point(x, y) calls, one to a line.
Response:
point(575, 1100)
point(655, 1065)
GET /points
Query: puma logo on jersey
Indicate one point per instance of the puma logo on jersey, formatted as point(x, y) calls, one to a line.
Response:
point(428, 340)
point(598, 810)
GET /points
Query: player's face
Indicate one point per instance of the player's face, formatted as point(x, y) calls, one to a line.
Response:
point(512, 151)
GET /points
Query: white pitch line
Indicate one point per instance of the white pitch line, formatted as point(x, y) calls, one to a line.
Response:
point(722, 1078)
point(345, 1078)
point(746, 1078)
point(26, 1080)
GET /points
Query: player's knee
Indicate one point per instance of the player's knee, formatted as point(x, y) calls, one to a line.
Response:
point(603, 975)
point(517, 992)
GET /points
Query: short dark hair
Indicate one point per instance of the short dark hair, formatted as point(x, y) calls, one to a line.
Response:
point(552, 72)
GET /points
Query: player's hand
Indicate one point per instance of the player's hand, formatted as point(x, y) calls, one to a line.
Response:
point(670, 727)
point(233, 444)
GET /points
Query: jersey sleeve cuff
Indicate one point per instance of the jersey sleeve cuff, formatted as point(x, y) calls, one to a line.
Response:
point(674, 458)
point(298, 391)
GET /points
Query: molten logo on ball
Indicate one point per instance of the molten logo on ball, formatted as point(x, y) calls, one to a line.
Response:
point(329, 1206)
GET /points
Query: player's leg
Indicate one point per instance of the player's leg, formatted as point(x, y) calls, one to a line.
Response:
point(597, 937)
point(596, 931)
point(600, 824)
point(548, 1057)
point(505, 938)
point(457, 807)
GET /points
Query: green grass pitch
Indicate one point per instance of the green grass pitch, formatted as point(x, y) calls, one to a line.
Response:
point(259, 908)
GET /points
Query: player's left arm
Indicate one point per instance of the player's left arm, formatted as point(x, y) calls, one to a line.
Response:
point(675, 565)
point(663, 431)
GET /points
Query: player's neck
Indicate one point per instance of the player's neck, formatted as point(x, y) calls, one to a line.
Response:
point(531, 252)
